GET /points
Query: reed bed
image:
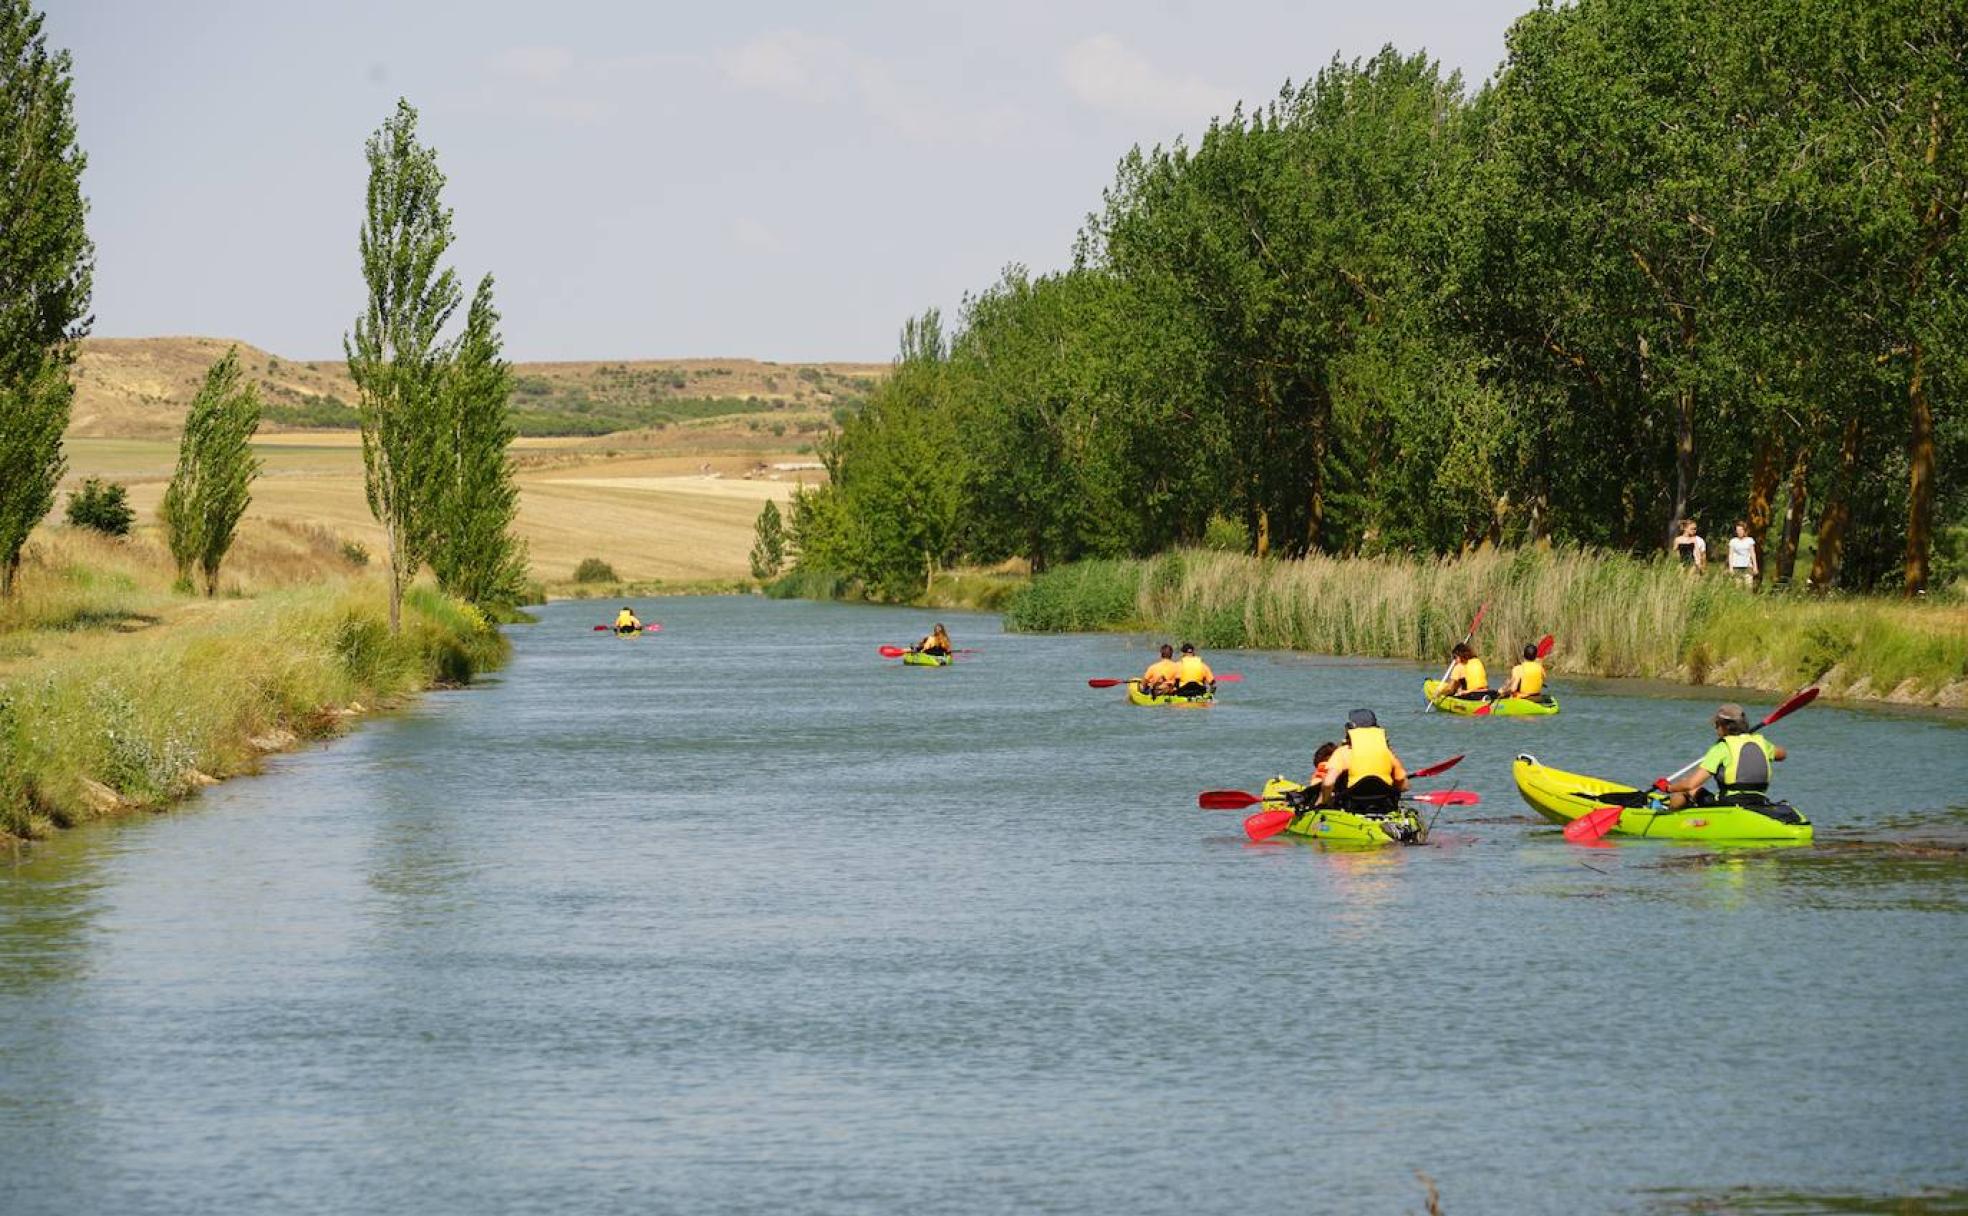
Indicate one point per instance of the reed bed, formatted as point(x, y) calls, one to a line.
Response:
point(1613, 615)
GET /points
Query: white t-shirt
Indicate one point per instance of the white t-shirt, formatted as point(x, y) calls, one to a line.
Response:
point(1742, 551)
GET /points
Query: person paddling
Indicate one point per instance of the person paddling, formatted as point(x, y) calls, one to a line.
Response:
point(937, 643)
point(1363, 772)
point(1739, 762)
point(1162, 675)
point(626, 621)
point(1193, 677)
point(1527, 678)
point(1468, 681)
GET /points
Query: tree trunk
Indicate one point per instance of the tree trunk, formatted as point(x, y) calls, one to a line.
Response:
point(1684, 456)
point(8, 570)
point(391, 543)
point(1763, 489)
point(1263, 531)
point(1837, 513)
point(1920, 488)
point(1793, 533)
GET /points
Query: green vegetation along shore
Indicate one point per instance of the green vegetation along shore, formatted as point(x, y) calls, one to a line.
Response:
point(118, 694)
point(1613, 615)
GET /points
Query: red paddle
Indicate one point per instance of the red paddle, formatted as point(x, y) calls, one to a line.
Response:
point(1266, 824)
point(1226, 800)
point(1592, 825)
point(1449, 798)
point(892, 652)
point(650, 628)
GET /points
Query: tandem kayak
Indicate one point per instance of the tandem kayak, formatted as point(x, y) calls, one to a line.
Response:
point(1332, 825)
point(1137, 697)
point(916, 658)
point(1562, 797)
point(1541, 706)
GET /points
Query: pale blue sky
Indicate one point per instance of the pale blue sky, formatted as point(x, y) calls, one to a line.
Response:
point(784, 181)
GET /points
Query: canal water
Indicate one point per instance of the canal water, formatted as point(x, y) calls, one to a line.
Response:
point(740, 917)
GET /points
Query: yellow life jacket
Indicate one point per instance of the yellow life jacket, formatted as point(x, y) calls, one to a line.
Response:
point(626, 620)
point(1192, 670)
point(1529, 675)
point(1745, 767)
point(1161, 671)
point(1474, 677)
point(1367, 754)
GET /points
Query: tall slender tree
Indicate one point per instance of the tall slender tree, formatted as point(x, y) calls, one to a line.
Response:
point(395, 356)
point(472, 547)
point(46, 265)
point(216, 466)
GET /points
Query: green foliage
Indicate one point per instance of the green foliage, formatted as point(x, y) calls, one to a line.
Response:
point(212, 485)
point(46, 268)
point(1674, 251)
point(472, 548)
point(102, 505)
point(355, 553)
point(594, 570)
point(769, 543)
point(394, 355)
point(328, 413)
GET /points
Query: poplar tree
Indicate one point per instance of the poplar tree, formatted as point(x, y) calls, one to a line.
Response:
point(216, 466)
point(46, 262)
point(395, 358)
point(472, 548)
point(768, 543)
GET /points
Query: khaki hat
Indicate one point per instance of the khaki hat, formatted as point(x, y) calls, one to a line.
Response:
point(1732, 714)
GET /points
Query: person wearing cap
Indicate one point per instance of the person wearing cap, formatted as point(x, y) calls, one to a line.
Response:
point(626, 622)
point(937, 643)
point(1527, 678)
point(1738, 762)
point(1364, 766)
point(1193, 677)
point(1162, 675)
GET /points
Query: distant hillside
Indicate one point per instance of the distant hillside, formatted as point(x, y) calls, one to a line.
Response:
point(139, 388)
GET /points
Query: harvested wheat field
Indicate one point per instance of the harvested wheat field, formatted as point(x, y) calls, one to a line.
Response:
point(650, 517)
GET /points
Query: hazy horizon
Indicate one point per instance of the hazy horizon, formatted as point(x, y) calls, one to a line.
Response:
point(774, 184)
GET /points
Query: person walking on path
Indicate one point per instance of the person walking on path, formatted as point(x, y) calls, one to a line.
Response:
point(1742, 556)
point(1690, 547)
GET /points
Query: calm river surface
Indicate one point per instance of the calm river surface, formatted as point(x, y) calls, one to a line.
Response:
point(741, 918)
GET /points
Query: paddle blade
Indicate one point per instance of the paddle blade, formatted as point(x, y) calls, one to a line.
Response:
point(603, 628)
point(1106, 683)
point(1449, 798)
point(1229, 677)
point(1592, 825)
point(892, 652)
point(1797, 702)
point(1226, 800)
point(1433, 769)
point(1545, 644)
point(1266, 824)
point(652, 627)
point(1483, 710)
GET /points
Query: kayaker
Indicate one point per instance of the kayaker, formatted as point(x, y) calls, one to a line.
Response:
point(1321, 761)
point(626, 622)
point(1739, 762)
point(1364, 770)
point(1193, 677)
point(1468, 681)
point(937, 643)
point(1161, 677)
point(1527, 678)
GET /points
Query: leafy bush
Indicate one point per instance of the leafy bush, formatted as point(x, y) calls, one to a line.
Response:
point(102, 505)
point(594, 570)
point(1225, 535)
point(355, 553)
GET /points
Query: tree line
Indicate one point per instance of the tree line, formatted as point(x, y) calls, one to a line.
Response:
point(1676, 258)
point(434, 411)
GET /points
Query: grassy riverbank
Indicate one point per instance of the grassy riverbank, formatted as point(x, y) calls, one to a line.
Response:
point(1612, 616)
point(117, 694)
point(971, 590)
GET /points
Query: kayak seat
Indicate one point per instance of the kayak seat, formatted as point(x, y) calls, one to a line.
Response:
point(1369, 796)
point(1192, 689)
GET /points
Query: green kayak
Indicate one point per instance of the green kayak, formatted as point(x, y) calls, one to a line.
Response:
point(1541, 706)
point(1752, 819)
point(1334, 826)
point(916, 658)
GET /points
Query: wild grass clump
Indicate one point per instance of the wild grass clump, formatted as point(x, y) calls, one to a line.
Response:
point(808, 583)
point(1612, 615)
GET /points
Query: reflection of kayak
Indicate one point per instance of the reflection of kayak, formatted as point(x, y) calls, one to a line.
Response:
point(1541, 706)
point(1137, 697)
point(916, 658)
point(1331, 825)
point(1562, 797)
